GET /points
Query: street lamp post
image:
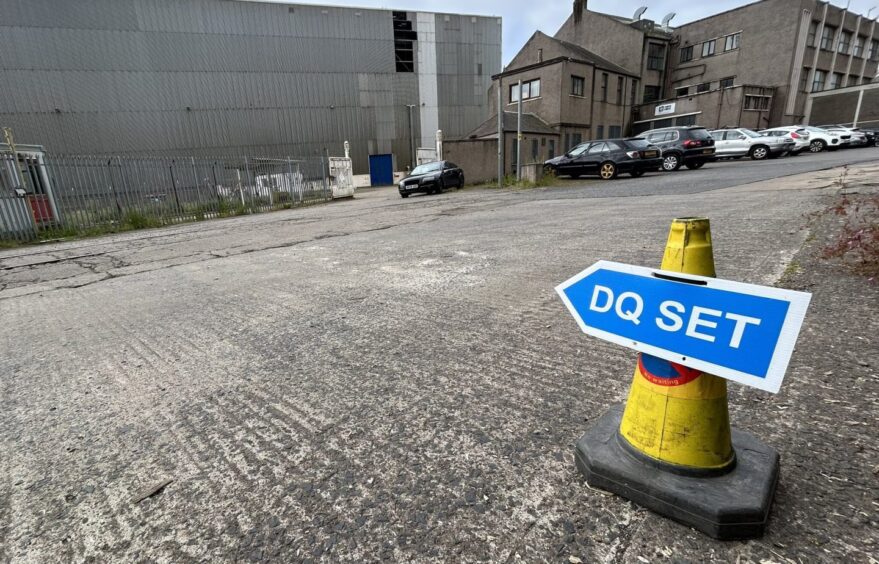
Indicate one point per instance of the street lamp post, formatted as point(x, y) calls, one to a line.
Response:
point(412, 156)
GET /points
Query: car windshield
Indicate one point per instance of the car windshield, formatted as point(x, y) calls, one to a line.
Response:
point(578, 150)
point(750, 133)
point(427, 168)
point(700, 133)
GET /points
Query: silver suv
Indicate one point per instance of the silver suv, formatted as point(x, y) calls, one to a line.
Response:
point(740, 142)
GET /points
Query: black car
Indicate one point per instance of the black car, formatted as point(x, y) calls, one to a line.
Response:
point(432, 178)
point(692, 146)
point(872, 137)
point(607, 158)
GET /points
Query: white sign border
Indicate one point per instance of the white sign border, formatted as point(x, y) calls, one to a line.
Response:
point(784, 348)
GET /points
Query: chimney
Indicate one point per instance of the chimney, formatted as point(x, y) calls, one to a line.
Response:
point(579, 8)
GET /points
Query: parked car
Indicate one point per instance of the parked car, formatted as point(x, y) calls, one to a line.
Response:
point(432, 178)
point(854, 136)
point(822, 140)
point(608, 158)
point(741, 142)
point(692, 146)
point(872, 137)
point(800, 138)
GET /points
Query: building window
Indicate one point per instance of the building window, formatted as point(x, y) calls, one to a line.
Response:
point(651, 94)
point(836, 81)
point(827, 38)
point(874, 49)
point(732, 42)
point(853, 80)
point(684, 121)
point(708, 48)
point(634, 91)
point(686, 54)
point(845, 42)
point(756, 103)
point(619, 91)
point(804, 79)
point(599, 132)
point(818, 80)
point(655, 56)
point(576, 139)
point(603, 87)
point(859, 46)
point(704, 87)
point(577, 84)
point(727, 82)
point(550, 153)
point(813, 33)
point(535, 150)
point(682, 91)
point(530, 89)
point(615, 132)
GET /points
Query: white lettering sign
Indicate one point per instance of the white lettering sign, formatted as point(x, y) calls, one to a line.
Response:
point(665, 109)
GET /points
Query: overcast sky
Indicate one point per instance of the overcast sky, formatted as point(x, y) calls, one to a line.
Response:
point(523, 17)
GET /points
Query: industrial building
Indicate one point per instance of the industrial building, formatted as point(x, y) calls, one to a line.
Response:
point(604, 75)
point(230, 77)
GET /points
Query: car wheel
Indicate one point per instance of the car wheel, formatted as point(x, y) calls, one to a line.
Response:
point(817, 146)
point(696, 165)
point(461, 182)
point(607, 171)
point(637, 173)
point(759, 153)
point(671, 162)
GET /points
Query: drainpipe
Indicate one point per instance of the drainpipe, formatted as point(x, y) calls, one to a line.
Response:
point(519, 135)
point(501, 138)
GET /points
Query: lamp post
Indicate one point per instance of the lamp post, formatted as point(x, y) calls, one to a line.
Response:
point(412, 156)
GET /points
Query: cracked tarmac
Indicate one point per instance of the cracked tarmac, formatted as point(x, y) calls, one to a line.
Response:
point(381, 379)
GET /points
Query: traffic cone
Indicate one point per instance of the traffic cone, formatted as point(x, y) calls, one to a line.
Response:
point(672, 448)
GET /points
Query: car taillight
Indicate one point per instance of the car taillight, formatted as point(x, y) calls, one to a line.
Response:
point(634, 155)
point(690, 143)
point(794, 135)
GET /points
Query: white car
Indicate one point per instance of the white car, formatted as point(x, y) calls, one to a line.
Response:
point(800, 138)
point(851, 136)
point(741, 142)
point(819, 139)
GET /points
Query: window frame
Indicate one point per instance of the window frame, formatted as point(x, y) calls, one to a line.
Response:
point(732, 82)
point(843, 46)
point(709, 48)
point(686, 54)
point(815, 81)
point(605, 78)
point(860, 43)
point(621, 87)
point(703, 87)
point(575, 82)
point(827, 42)
point(735, 39)
point(682, 92)
point(527, 85)
point(812, 37)
point(656, 56)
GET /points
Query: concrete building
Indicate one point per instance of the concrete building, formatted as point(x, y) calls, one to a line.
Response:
point(761, 61)
point(579, 94)
point(220, 77)
point(857, 106)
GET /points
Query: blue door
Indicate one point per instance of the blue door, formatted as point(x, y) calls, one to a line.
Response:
point(381, 170)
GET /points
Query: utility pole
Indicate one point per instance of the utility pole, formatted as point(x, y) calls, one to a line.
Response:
point(413, 158)
point(519, 135)
point(501, 140)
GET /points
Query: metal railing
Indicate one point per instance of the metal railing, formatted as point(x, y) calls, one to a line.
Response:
point(47, 196)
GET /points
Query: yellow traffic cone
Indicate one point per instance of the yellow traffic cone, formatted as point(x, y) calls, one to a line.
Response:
point(676, 415)
point(672, 449)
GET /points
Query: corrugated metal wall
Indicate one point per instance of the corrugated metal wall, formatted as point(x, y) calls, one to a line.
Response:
point(220, 77)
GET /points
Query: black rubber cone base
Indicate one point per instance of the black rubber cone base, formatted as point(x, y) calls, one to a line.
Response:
point(734, 505)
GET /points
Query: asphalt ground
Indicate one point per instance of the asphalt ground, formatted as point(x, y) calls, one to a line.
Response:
point(387, 379)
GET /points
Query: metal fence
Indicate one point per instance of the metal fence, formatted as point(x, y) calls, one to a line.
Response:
point(44, 195)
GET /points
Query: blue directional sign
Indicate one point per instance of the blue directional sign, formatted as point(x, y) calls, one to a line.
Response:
point(737, 331)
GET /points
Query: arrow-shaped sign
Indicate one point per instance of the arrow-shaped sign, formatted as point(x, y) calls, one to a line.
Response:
point(741, 332)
